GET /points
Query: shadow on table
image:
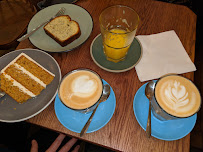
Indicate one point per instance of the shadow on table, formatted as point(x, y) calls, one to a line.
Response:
point(17, 137)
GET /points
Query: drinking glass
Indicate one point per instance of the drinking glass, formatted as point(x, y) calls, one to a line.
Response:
point(118, 26)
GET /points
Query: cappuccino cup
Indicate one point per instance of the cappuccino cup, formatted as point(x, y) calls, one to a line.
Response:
point(81, 90)
point(175, 97)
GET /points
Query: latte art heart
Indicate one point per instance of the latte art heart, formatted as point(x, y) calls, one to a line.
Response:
point(176, 94)
point(83, 86)
point(81, 89)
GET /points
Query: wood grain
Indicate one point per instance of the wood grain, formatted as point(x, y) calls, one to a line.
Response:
point(123, 132)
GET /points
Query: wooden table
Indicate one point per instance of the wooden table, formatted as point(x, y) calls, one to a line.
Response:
point(123, 133)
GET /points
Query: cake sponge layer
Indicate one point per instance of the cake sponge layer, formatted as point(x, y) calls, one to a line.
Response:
point(35, 69)
point(14, 91)
point(24, 79)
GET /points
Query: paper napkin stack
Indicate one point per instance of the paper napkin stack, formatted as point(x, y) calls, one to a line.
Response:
point(163, 53)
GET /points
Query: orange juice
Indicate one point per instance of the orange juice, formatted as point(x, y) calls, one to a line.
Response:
point(116, 45)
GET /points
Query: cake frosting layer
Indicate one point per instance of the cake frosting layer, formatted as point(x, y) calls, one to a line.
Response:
point(13, 90)
point(23, 54)
point(30, 75)
point(24, 78)
point(35, 69)
point(21, 87)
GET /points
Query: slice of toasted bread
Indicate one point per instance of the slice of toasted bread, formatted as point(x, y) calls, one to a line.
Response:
point(63, 30)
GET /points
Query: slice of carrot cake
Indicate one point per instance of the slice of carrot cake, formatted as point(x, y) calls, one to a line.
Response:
point(24, 78)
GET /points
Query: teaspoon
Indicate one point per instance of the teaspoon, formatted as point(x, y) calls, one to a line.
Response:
point(149, 92)
point(2, 93)
point(105, 95)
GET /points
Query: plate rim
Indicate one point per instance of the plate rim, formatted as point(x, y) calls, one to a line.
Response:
point(115, 71)
point(64, 50)
point(155, 136)
point(43, 108)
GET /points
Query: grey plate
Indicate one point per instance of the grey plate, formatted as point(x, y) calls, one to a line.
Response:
point(10, 110)
point(42, 41)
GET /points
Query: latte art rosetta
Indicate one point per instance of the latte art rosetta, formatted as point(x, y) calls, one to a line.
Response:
point(176, 95)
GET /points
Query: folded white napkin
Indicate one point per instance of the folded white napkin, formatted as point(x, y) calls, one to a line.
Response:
point(163, 53)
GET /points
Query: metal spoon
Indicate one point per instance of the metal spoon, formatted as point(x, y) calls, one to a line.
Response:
point(2, 93)
point(106, 93)
point(149, 92)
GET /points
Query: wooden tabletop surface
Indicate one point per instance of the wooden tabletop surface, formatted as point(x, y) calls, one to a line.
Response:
point(122, 132)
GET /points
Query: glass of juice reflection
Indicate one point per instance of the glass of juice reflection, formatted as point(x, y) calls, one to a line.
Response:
point(118, 26)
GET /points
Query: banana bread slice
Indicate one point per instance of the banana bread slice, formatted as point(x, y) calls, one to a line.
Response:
point(63, 30)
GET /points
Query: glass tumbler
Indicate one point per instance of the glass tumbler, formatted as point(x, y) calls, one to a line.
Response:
point(118, 26)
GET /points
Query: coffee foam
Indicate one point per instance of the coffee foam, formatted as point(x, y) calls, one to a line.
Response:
point(83, 86)
point(177, 96)
point(80, 89)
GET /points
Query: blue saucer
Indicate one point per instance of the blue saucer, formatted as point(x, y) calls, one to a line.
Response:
point(75, 121)
point(164, 130)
